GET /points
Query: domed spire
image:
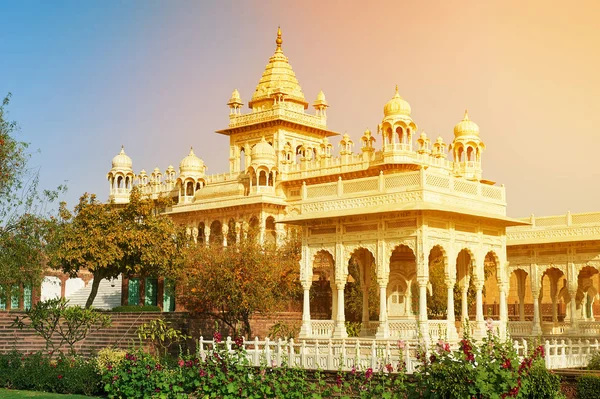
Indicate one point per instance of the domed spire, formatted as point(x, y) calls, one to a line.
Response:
point(122, 160)
point(277, 82)
point(279, 40)
point(466, 127)
point(191, 164)
point(397, 106)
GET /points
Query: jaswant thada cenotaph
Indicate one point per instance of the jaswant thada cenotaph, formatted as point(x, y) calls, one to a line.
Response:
point(399, 211)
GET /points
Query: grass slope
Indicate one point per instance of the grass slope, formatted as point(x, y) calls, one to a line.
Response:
point(10, 394)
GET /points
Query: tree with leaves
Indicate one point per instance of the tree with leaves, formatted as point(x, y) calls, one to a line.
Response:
point(230, 284)
point(22, 212)
point(108, 240)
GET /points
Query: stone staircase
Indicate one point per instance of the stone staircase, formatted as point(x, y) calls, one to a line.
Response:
point(121, 334)
point(108, 297)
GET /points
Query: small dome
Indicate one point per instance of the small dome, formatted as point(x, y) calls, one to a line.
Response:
point(320, 101)
point(235, 98)
point(466, 127)
point(170, 168)
point(191, 164)
point(396, 106)
point(263, 153)
point(122, 161)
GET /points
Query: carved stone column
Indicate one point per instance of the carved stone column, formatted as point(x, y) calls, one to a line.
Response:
point(537, 326)
point(224, 232)
point(423, 324)
point(334, 302)
point(383, 330)
point(480, 332)
point(503, 288)
point(464, 290)
point(451, 317)
point(340, 322)
point(306, 330)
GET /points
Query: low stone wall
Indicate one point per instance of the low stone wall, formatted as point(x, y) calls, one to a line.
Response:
point(123, 331)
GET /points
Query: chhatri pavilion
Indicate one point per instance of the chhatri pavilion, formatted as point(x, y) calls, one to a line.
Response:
point(398, 206)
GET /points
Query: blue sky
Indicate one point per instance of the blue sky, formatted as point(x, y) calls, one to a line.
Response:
point(155, 76)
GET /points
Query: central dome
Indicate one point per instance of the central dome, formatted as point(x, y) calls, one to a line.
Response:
point(263, 153)
point(191, 164)
point(466, 127)
point(122, 160)
point(397, 106)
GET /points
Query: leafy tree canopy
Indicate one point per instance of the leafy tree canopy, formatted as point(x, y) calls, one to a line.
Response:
point(230, 284)
point(109, 239)
point(22, 210)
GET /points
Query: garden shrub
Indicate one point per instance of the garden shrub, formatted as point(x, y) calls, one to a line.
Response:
point(41, 372)
point(588, 387)
point(136, 308)
point(108, 356)
point(594, 362)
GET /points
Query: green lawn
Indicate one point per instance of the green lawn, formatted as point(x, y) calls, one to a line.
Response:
point(10, 394)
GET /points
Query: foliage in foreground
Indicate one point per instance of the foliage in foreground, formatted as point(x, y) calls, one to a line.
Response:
point(230, 284)
point(110, 240)
point(487, 370)
point(59, 324)
point(41, 372)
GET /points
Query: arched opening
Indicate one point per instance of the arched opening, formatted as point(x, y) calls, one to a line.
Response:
point(460, 152)
point(120, 182)
point(271, 182)
point(552, 309)
point(201, 233)
point(491, 293)
point(253, 228)
point(270, 233)
point(323, 283)
point(232, 234)
point(464, 290)
point(519, 295)
point(389, 135)
point(470, 153)
point(402, 290)
point(127, 182)
point(400, 133)
point(587, 293)
point(198, 186)
point(189, 189)
point(437, 300)
point(361, 300)
point(262, 178)
point(299, 153)
point(242, 159)
point(216, 233)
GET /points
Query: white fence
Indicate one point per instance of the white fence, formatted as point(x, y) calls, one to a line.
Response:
point(335, 354)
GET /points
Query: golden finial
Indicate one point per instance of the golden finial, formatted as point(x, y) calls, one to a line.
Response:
point(466, 117)
point(396, 89)
point(279, 41)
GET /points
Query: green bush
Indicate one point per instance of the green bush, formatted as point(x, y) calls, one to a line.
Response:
point(594, 363)
point(136, 308)
point(40, 372)
point(588, 387)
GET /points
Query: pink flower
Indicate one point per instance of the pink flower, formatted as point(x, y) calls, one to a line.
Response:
point(353, 371)
point(389, 368)
point(369, 373)
point(489, 324)
point(217, 337)
point(180, 362)
point(401, 344)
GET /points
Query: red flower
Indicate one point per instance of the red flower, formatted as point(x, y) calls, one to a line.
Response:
point(369, 373)
point(217, 337)
point(60, 376)
point(180, 362)
point(389, 368)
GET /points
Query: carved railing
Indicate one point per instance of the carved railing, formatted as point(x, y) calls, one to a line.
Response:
point(491, 196)
point(520, 328)
point(322, 328)
point(344, 354)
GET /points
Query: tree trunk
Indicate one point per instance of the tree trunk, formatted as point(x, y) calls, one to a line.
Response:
point(95, 285)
